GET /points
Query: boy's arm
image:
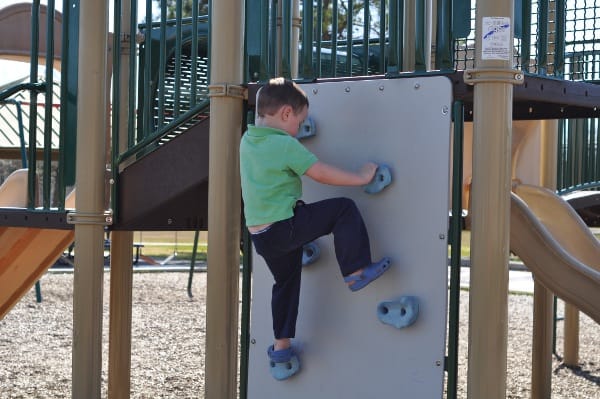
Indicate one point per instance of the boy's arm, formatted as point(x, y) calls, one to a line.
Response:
point(328, 174)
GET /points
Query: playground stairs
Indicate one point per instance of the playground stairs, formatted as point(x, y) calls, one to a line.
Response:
point(167, 189)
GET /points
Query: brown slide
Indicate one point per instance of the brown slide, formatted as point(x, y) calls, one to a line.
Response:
point(557, 246)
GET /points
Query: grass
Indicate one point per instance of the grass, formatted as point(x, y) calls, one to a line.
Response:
point(465, 247)
point(162, 244)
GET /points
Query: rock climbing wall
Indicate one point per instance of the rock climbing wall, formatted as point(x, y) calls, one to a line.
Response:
point(351, 346)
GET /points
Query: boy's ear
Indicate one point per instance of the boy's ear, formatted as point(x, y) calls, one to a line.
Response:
point(285, 112)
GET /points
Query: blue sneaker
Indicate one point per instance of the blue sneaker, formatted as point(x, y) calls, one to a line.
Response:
point(369, 274)
point(284, 363)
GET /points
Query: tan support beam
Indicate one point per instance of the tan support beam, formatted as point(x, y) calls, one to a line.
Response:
point(492, 132)
point(408, 47)
point(224, 204)
point(89, 232)
point(119, 343)
point(543, 299)
point(410, 26)
point(121, 272)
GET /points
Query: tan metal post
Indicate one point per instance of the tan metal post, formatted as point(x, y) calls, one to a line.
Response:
point(410, 26)
point(224, 204)
point(296, 25)
point(88, 218)
point(543, 299)
point(492, 130)
point(408, 47)
point(121, 272)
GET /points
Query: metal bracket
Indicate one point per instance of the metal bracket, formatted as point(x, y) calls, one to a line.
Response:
point(485, 75)
point(228, 90)
point(103, 219)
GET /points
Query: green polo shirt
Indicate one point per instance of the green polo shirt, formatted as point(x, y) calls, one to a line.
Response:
point(271, 164)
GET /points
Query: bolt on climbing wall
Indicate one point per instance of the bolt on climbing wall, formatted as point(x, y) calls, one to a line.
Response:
point(368, 343)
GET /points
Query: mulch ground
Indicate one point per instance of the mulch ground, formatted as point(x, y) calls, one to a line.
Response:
point(168, 343)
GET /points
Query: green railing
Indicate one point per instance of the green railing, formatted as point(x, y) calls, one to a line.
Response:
point(578, 155)
point(561, 39)
point(39, 158)
point(168, 85)
point(336, 38)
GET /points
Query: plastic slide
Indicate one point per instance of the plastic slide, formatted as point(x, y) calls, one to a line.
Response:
point(557, 246)
point(25, 253)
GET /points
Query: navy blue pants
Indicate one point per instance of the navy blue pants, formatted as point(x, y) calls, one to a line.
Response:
point(281, 247)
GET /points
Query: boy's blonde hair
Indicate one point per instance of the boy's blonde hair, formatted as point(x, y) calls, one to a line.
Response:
point(277, 93)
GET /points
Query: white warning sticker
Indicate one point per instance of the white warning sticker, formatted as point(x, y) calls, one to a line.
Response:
point(495, 38)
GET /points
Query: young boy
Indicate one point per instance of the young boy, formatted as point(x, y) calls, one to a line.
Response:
point(272, 162)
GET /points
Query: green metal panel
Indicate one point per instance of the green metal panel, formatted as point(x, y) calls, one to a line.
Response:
point(365, 48)
point(518, 21)
point(420, 35)
point(455, 251)
point(149, 84)
point(444, 56)
point(33, 73)
point(395, 37)
point(461, 18)
point(285, 67)
point(526, 35)
point(306, 58)
point(543, 35)
point(48, 97)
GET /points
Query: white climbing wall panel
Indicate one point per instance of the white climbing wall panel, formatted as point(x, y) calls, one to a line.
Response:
point(346, 352)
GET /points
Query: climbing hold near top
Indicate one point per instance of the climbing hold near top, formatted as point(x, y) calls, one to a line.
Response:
point(307, 129)
point(381, 179)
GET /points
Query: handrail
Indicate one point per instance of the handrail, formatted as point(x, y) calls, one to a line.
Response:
point(578, 187)
point(21, 128)
point(163, 131)
point(38, 87)
point(173, 22)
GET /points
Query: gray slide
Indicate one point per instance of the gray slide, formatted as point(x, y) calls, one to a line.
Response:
point(557, 246)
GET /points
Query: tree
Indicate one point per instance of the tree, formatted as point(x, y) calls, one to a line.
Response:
point(342, 17)
point(186, 7)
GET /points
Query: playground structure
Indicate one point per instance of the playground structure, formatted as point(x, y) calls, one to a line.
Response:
point(166, 136)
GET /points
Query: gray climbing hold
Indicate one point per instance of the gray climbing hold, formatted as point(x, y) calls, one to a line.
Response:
point(400, 313)
point(310, 253)
point(307, 129)
point(381, 179)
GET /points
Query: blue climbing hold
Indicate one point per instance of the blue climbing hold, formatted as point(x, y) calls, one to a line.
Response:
point(400, 313)
point(307, 129)
point(382, 179)
point(310, 253)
